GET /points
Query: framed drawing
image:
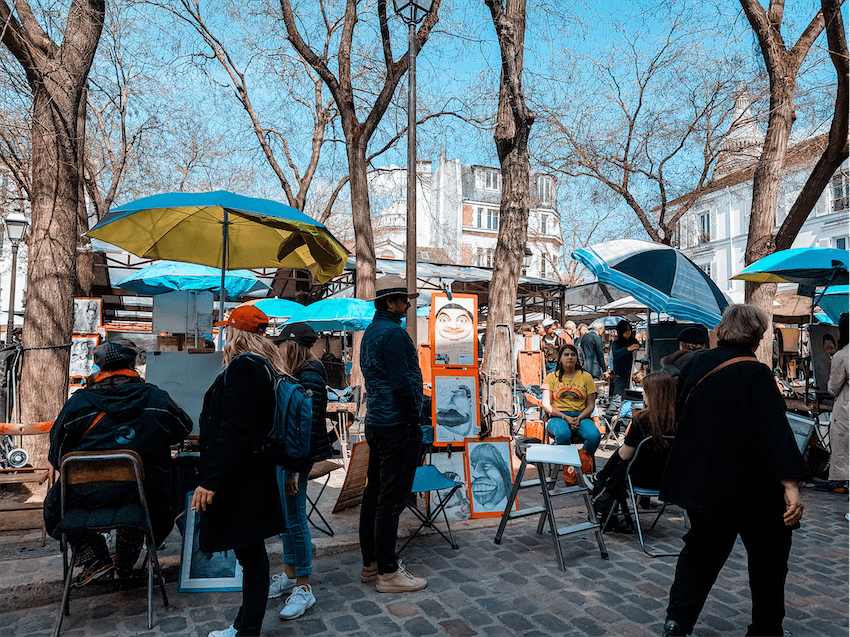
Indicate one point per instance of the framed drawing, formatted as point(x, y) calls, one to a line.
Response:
point(88, 315)
point(454, 405)
point(452, 466)
point(82, 354)
point(489, 475)
point(454, 329)
point(204, 572)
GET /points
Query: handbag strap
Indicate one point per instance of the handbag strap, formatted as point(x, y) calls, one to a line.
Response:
point(731, 361)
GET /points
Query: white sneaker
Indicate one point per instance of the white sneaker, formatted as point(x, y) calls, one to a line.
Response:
point(279, 585)
point(401, 581)
point(224, 632)
point(298, 603)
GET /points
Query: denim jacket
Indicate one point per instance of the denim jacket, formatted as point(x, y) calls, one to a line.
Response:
point(391, 370)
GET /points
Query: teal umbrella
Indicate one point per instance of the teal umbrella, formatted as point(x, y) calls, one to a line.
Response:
point(334, 315)
point(834, 301)
point(170, 276)
point(275, 307)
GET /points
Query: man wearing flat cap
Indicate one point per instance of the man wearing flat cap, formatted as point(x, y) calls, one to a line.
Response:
point(691, 340)
point(118, 410)
point(394, 400)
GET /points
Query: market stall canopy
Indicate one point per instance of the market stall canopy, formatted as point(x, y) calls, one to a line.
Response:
point(275, 307)
point(169, 276)
point(657, 275)
point(592, 295)
point(812, 267)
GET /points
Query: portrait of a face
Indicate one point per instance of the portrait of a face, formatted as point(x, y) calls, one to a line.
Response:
point(86, 315)
point(82, 355)
point(454, 326)
point(455, 414)
point(490, 477)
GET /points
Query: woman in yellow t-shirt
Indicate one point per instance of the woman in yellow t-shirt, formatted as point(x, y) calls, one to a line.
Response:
point(569, 397)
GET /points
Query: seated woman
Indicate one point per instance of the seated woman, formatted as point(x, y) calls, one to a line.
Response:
point(569, 397)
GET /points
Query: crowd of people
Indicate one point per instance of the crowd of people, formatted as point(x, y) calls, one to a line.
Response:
point(696, 418)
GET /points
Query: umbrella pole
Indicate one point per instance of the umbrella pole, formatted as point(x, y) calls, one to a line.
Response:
point(222, 292)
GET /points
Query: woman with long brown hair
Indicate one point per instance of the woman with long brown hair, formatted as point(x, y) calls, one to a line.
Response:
point(237, 490)
point(295, 342)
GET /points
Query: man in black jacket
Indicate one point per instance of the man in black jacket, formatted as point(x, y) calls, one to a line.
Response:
point(118, 410)
point(390, 368)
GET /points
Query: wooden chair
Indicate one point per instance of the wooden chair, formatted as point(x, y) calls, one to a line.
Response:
point(87, 469)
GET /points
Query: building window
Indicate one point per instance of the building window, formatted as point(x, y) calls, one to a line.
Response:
point(489, 255)
point(704, 228)
point(488, 179)
point(543, 266)
point(543, 220)
point(480, 223)
point(840, 189)
point(841, 243)
point(706, 267)
point(545, 188)
point(492, 219)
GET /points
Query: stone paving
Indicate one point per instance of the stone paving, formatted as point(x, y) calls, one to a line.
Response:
point(482, 589)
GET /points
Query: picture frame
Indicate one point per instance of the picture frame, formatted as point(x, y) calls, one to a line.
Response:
point(453, 466)
point(489, 476)
point(82, 354)
point(453, 330)
point(204, 572)
point(454, 405)
point(88, 315)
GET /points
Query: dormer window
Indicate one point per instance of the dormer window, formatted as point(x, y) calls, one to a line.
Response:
point(488, 179)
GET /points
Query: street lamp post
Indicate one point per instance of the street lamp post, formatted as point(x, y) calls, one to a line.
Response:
point(16, 228)
point(411, 12)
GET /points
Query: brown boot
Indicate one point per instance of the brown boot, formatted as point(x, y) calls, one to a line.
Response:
point(369, 573)
point(400, 582)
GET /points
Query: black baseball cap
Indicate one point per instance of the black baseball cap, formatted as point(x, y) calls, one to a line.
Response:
point(301, 333)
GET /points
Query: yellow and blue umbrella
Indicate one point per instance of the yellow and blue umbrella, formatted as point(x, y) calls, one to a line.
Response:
point(813, 267)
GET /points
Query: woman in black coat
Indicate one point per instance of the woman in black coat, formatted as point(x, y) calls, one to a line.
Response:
point(295, 341)
point(237, 486)
point(734, 467)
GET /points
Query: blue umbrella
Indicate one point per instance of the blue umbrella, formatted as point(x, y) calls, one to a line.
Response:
point(275, 307)
point(812, 266)
point(609, 321)
point(659, 276)
point(336, 315)
point(834, 302)
point(169, 276)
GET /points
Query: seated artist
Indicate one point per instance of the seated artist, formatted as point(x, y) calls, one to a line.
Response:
point(569, 397)
point(117, 410)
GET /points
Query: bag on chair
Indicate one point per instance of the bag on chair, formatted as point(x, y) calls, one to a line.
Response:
point(570, 477)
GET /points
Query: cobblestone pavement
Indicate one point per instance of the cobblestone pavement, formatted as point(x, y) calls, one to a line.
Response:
point(483, 589)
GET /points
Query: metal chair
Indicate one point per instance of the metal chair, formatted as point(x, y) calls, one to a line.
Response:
point(320, 470)
point(428, 479)
point(541, 455)
point(637, 492)
point(100, 470)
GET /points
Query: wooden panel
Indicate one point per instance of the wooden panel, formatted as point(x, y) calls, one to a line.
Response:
point(530, 367)
point(26, 428)
point(425, 362)
point(106, 469)
point(351, 493)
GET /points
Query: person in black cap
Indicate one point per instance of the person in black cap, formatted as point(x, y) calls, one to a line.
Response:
point(294, 343)
point(691, 340)
point(394, 397)
point(118, 410)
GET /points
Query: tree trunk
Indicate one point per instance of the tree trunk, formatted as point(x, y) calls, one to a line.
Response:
point(513, 127)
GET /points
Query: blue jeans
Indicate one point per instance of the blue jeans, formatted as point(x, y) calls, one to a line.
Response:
point(587, 432)
point(297, 545)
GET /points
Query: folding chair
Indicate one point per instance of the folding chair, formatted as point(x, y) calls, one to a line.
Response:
point(428, 478)
point(637, 492)
point(320, 470)
point(101, 469)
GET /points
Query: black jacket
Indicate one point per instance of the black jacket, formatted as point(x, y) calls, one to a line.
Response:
point(238, 412)
point(138, 417)
point(391, 371)
point(312, 377)
point(594, 354)
point(733, 444)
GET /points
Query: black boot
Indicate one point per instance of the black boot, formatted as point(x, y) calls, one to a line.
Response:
point(672, 629)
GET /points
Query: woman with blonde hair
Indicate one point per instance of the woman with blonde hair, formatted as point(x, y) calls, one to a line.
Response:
point(295, 342)
point(237, 497)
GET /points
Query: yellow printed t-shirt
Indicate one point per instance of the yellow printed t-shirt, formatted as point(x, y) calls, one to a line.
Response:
point(570, 394)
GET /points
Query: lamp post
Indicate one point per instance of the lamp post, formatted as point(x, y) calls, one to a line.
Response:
point(16, 228)
point(411, 12)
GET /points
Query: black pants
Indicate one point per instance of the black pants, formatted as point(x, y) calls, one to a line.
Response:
point(708, 544)
point(393, 456)
point(255, 588)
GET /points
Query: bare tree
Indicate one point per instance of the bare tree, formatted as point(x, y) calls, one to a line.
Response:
point(353, 103)
point(513, 128)
point(647, 124)
point(782, 65)
point(57, 75)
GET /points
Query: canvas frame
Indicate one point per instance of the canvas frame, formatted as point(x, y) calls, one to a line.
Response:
point(78, 341)
point(188, 580)
point(445, 377)
point(503, 446)
point(81, 321)
point(445, 353)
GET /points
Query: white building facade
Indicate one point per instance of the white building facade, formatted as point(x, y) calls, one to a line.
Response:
point(457, 217)
point(713, 233)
